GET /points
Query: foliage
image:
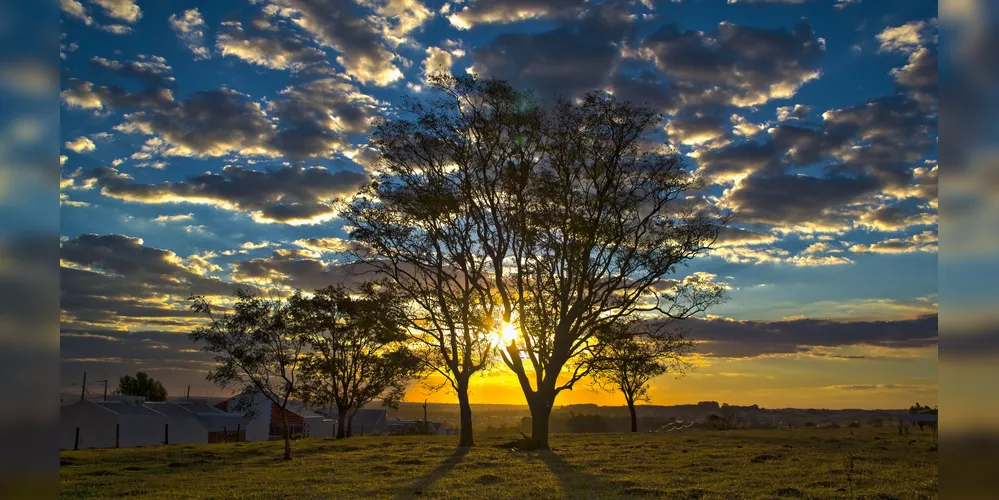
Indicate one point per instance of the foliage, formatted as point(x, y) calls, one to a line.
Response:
point(356, 351)
point(634, 353)
point(255, 349)
point(557, 217)
point(142, 385)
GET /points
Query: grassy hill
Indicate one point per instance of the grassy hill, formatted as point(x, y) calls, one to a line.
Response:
point(687, 464)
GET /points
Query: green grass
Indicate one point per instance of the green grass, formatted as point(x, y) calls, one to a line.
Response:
point(688, 464)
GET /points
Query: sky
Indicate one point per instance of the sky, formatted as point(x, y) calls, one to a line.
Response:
point(204, 142)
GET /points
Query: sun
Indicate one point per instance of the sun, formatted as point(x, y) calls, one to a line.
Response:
point(508, 333)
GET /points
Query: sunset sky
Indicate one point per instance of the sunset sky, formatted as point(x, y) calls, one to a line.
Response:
point(203, 141)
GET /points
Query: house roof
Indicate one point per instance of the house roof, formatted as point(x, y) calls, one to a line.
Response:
point(368, 417)
point(124, 408)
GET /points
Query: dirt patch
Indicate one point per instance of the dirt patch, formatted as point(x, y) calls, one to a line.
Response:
point(764, 457)
point(789, 493)
point(488, 479)
point(640, 491)
point(133, 468)
point(694, 494)
point(100, 473)
point(409, 461)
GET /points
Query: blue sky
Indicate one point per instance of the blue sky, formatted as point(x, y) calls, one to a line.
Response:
point(816, 119)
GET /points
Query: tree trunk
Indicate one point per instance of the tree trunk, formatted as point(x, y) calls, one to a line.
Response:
point(350, 425)
point(541, 410)
point(341, 423)
point(634, 417)
point(465, 410)
point(287, 435)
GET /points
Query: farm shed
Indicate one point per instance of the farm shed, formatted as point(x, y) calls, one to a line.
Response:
point(110, 424)
point(198, 422)
point(368, 421)
point(266, 421)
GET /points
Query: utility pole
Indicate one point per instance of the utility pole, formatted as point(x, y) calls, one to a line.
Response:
point(83, 388)
point(188, 392)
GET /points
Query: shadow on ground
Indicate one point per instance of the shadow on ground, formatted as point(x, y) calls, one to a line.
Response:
point(574, 480)
point(417, 488)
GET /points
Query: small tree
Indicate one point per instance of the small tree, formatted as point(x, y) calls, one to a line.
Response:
point(142, 385)
point(633, 355)
point(357, 352)
point(255, 350)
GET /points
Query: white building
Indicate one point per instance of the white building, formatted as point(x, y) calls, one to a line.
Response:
point(109, 424)
point(197, 422)
point(266, 421)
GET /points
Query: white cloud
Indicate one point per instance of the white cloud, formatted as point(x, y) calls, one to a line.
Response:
point(190, 28)
point(80, 145)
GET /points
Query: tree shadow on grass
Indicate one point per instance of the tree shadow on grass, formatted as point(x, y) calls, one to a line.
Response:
point(574, 480)
point(418, 488)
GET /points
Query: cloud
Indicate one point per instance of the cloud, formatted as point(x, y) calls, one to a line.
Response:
point(85, 95)
point(733, 236)
point(278, 50)
point(173, 218)
point(743, 339)
point(509, 11)
point(919, 75)
point(289, 195)
point(76, 9)
point(745, 128)
point(116, 280)
point(734, 64)
point(907, 37)
point(576, 57)
point(840, 4)
point(894, 218)
point(190, 29)
point(321, 246)
point(80, 145)
point(437, 59)
point(699, 130)
point(299, 268)
point(151, 70)
point(332, 23)
point(125, 10)
point(207, 123)
point(923, 242)
point(398, 18)
point(797, 112)
point(868, 150)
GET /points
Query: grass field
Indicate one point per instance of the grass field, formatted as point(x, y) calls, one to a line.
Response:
point(687, 464)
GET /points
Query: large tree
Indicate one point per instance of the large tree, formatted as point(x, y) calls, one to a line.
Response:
point(634, 353)
point(416, 223)
point(255, 349)
point(357, 348)
point(568, 220)
point(142, 385)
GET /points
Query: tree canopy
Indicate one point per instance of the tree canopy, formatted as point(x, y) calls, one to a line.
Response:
point(142, 385)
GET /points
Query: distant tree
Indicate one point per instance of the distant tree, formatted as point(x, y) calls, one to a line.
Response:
point(634, 354)
point(561, 213)
point(357, 348)
point(142, 385)
point(256, 350)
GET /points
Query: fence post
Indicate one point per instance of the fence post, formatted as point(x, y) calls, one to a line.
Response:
point(166, 434)
point(117, 434)
point(237, 432)
point(225, 432)
point(76, 441)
